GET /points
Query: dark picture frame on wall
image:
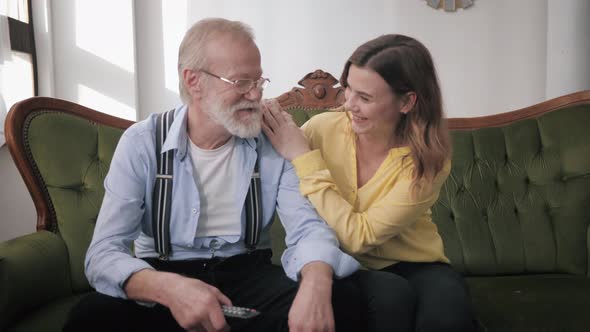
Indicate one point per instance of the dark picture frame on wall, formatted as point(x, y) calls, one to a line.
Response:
point(22, 39)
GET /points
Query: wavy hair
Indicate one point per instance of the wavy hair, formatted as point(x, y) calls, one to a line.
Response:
point(407, 66)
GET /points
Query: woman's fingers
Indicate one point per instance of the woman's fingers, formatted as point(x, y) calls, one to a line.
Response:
point(267, 130)
point(288, 118)
point(275, 110)
point(270, 119)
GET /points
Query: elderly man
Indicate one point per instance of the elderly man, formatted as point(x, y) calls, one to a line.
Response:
point(201, 239)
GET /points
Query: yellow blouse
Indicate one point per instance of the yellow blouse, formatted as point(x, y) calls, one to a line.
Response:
point(379, 223)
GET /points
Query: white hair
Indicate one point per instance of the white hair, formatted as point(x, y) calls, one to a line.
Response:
point(192, 53)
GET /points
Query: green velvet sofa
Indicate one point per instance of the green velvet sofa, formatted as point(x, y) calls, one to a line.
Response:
point(514, 213)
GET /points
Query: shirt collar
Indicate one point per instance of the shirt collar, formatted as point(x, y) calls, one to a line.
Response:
point(178, 135)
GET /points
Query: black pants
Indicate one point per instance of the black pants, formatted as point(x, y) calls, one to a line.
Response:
point(423, 297)
point(249, 280)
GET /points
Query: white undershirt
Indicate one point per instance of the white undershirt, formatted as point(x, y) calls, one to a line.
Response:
point(214, 175)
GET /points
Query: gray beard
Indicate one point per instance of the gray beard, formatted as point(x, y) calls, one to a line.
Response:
point(225, 116)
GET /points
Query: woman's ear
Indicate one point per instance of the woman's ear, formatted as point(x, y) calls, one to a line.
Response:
point(408, 102)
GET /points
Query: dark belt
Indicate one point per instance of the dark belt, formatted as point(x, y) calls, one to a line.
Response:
point(191, 267)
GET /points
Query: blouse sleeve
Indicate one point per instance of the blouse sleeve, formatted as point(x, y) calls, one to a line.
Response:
point(359, 232)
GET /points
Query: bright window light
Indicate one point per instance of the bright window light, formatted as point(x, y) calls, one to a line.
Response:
point(98, 101)
point(105, 28)
point(17, 9)
point(17, 79)
point(174, 14)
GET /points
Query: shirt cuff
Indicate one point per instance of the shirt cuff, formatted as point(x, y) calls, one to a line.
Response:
point(111, 280)
point(308, 163)
point(342, 264)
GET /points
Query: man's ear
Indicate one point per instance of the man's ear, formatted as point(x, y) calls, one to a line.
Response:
point(408, 102)
point(192, 80)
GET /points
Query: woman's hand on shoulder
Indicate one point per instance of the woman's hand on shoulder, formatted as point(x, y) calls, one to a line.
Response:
point(283, 133)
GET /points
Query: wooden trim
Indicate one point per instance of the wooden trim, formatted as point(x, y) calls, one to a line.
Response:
point(318, 92)
point(497, 120)
point(14, 128)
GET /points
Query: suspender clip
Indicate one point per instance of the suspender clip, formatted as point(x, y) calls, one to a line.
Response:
point(250, 249)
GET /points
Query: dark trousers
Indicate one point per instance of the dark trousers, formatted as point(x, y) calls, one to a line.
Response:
point(423, 297)
point(249, 280)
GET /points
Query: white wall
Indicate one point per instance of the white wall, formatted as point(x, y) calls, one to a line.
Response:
point(491, 57)
point(496, 56)
point(42, 19)
point(86, 55)
point(16, 206)
point(18, 212)
point(568, 47)
point(93, 54)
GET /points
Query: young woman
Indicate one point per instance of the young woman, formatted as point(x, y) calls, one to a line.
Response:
point(373, 172)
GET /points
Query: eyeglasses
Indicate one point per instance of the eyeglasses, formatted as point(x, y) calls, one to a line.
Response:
point(243, 85)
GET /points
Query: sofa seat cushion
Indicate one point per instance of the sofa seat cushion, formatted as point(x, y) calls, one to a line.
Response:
point(49, 318)
point(532, 302)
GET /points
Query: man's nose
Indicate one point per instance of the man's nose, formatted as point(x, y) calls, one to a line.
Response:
point(255, 94)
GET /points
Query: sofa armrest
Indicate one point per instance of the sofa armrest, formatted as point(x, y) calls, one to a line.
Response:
point(588, 246)
point(34, 270)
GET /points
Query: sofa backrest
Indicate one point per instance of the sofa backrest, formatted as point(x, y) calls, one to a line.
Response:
point(63, 151)
point(517, 200)
point(518, 196)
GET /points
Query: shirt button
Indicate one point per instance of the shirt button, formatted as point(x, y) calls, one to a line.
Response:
point(194, 211)
point(214, 245)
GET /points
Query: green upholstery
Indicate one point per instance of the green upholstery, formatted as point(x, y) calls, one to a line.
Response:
point(517, 199)
point(538, 302)
point(301, 116)
point(42, 274)
point(27, 265)
point(50, 317)
point(588, 244)
point(73, 166)
point(514, 216)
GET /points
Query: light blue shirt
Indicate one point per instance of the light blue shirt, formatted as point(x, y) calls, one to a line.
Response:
point(125, 215)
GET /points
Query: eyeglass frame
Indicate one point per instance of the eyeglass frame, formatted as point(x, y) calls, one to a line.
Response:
point(260, 83)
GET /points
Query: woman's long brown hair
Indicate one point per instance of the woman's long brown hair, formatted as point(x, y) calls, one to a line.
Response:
point(407, 66)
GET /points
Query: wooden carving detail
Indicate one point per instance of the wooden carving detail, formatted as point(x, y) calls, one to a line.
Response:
point(318, 92)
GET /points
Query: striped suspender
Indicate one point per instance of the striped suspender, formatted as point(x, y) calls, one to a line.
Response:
point(253, 206)
point(162, 195)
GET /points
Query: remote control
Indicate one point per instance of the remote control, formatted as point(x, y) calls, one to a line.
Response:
point(239, 312)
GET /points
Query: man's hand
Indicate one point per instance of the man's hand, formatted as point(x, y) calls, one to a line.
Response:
point(282, 131)
point(312, 307)
point(195, 305)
